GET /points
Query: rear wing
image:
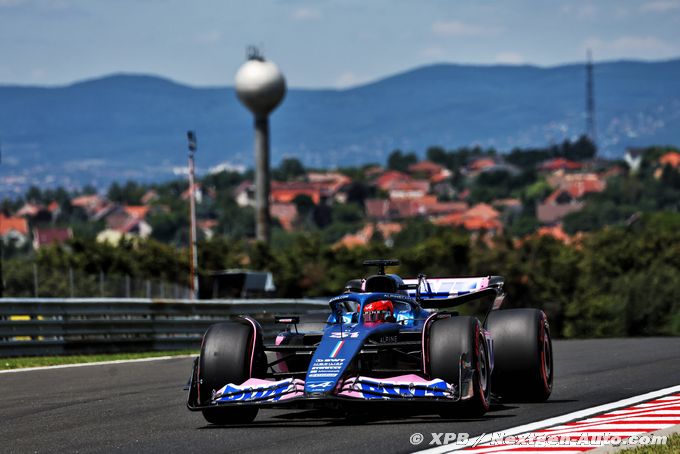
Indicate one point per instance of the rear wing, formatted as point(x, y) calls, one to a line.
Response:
point(451, 291)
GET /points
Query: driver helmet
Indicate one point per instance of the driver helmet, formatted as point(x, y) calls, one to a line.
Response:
point(379, 311)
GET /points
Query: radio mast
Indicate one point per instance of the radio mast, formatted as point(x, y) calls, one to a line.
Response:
point(590, 101)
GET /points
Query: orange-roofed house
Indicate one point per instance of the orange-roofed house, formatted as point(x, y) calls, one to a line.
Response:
point(475, 224)
point(556, 232)
point(333, 180)
point(95, 207)
point(410, 189)
point(87, 201)
point(436, 173)
point(672, 158)
point(481, 164)
point(591, 182)
point(54, 208)
point(579, 188)
point(286, 192)
point(483, 210)
point(34, 212)
point(334, 184)
point(29, 210)
point(551, 165)
point(13, 230)
point(137, 211)
point(480, 217)
point(373, 171)
point(389, 178)
point(286, 213)
point(46, 236)
point(567, 197)
point(445, 208)
point(487, 164)
point(149, 196)
point(471, 223)
point(125, 221)
point(361, 238)
point(393, 209)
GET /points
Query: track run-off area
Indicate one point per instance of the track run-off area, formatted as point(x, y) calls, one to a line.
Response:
point(140, 406)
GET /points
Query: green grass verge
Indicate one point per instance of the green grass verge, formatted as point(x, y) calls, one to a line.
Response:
point(672, 446)
point(38, 361)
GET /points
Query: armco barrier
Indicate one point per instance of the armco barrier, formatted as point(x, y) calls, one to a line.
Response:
point(55, 326)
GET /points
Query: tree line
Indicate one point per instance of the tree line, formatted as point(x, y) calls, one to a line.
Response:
point(618, 281)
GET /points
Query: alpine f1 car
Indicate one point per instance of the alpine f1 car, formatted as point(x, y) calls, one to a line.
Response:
point(387, 339)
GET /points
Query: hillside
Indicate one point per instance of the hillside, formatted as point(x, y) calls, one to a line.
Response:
point(129, 126)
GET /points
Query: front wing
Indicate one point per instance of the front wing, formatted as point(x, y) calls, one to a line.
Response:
point(291, 391)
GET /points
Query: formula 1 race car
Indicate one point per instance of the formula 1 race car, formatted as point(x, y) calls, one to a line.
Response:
point(387, 340)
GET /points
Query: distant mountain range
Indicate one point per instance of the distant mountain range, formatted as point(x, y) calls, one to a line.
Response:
point(133, 127)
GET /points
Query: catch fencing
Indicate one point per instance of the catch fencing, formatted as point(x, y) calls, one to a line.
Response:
point(53, 282)
point(54, 326)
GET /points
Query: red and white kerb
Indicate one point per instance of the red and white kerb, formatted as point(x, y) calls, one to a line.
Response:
point(617, 425)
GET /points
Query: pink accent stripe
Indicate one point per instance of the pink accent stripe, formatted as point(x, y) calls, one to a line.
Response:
point(353, 394)
point(258, 382)
point(292, 395)
point(405, 379)
point(422, 342)
point(283, 367)
point(409, 378)
point(252, 353)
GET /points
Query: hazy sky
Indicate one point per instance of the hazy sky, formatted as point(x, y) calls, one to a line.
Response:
point(322, 43)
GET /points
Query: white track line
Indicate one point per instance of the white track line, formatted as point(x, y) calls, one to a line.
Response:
point(558, 420)
point(97, 363)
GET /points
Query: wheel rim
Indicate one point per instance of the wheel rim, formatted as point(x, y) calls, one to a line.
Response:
point(483, 369)
point(546, 366)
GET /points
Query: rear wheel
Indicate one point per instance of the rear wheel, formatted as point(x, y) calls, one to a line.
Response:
point(523, 360)
point(229, 354)
point(449, 340)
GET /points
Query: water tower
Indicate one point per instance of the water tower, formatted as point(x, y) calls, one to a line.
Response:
point(260, 86)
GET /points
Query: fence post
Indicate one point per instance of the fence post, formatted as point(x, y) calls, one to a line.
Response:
point(127, 286)
point(162, 289)
point(35, 280)
point(101, 283)
point(148, 289)
point(70, 281)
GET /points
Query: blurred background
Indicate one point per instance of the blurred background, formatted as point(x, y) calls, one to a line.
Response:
point(534, 140)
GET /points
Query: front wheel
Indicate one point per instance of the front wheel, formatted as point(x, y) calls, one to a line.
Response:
point(457, 340)
point(229, 354)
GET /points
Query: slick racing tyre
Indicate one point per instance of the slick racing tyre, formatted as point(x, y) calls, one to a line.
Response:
point(523, 360)
point(449, 339)
point(226, 354)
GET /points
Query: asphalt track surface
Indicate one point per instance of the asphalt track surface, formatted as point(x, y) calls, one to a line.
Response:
point(140, 407)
